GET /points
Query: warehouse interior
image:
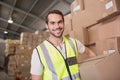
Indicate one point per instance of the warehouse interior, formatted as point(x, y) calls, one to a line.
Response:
point(95, 23)
point(28, 15)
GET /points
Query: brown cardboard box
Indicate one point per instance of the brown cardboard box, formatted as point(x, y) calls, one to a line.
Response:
point(11, 65)
point(89, 15)
point(110, 28)
point(93, 33)
point(109, 9)
point(107, 29)
point(81, 34)
point(109, 67)
point(68, 24)
point(71, 34)
point(104, 67)
point(105, 46)
point(77, 5)
point(94, 11)
point(10, 46)
point(108, 46)
point(24, 37)
point(82, 57)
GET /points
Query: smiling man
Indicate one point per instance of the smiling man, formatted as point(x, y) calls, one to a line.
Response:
point(56, 57)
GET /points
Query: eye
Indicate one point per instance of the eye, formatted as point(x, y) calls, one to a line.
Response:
point(60, 22)
point(52, 23)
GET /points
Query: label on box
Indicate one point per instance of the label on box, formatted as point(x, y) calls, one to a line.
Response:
point(109, 5)
point(76, 8)
point(109, 51)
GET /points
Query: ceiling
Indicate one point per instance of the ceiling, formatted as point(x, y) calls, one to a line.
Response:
point(27, 15)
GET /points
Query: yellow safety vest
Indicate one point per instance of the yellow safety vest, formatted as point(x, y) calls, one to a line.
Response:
point(55, 67)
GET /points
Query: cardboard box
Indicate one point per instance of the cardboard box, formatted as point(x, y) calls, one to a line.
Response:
point(104, 30)
point(104, 67)
point(89, 15)
point(93, 33)
point(68, 24)
point(109, 9)
point(110, 28)
point(77, 5)
point(108, 46)
point(105, 46)
point(82, 57)
point(81, 34)
point(94, 11)
point(71, 34)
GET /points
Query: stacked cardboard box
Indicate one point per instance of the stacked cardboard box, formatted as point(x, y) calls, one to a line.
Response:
point(10, 60)
point(96, 24)
point(68, 24)
point(11, 66)
point(20, 52)
point(106, 29)
point(33, 39)
point(94, 21)
point(101, 33)
point(28, 39)
point(24, 51)
point(93, 11)
point(23, 59)
point(10, 46)
point(108, 46)
point(109, 9)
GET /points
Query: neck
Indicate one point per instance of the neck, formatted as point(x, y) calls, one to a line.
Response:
point(56, 41)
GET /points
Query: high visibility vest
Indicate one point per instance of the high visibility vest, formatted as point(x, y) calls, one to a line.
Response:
point(55, 67)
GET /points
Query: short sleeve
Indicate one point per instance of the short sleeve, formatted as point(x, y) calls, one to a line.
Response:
point(36, 65)
point(80, 46)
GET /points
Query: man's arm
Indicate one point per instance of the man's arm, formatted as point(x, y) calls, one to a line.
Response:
point(90, 52)
point(36, 69)
point(83, 49)
point(36, 77)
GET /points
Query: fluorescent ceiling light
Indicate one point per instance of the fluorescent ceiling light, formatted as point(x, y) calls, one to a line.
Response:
point(5, 32)
point(10, 20)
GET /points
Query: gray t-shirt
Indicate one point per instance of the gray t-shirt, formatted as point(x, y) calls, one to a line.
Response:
point(36, 65)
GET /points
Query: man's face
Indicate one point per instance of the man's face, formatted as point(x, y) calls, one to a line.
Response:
point(55, 25)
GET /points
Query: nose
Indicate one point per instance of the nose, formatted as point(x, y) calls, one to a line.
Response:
point(57, 25)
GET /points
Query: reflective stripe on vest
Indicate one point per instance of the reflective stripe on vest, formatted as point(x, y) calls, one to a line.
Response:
point(72, 44)
point(74, 77)
point(51, 72)
point(49, 62)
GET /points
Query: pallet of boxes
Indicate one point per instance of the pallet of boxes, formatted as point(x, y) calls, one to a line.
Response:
point(19, 53)
point(96, 23)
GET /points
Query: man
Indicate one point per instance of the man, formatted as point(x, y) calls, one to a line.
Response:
point(56, 57)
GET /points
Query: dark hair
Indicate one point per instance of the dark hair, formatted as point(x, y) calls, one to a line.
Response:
point(54, 12)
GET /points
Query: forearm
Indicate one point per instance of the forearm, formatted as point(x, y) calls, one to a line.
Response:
point(90, 52)
point(36, 77)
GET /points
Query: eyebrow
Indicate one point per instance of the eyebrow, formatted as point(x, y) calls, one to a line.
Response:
point(52, 22)
point(56, 22)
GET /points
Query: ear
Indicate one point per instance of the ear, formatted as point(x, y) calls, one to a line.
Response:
point(46, 26)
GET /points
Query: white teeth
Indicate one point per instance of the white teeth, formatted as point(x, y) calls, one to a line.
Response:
point(58, 31)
